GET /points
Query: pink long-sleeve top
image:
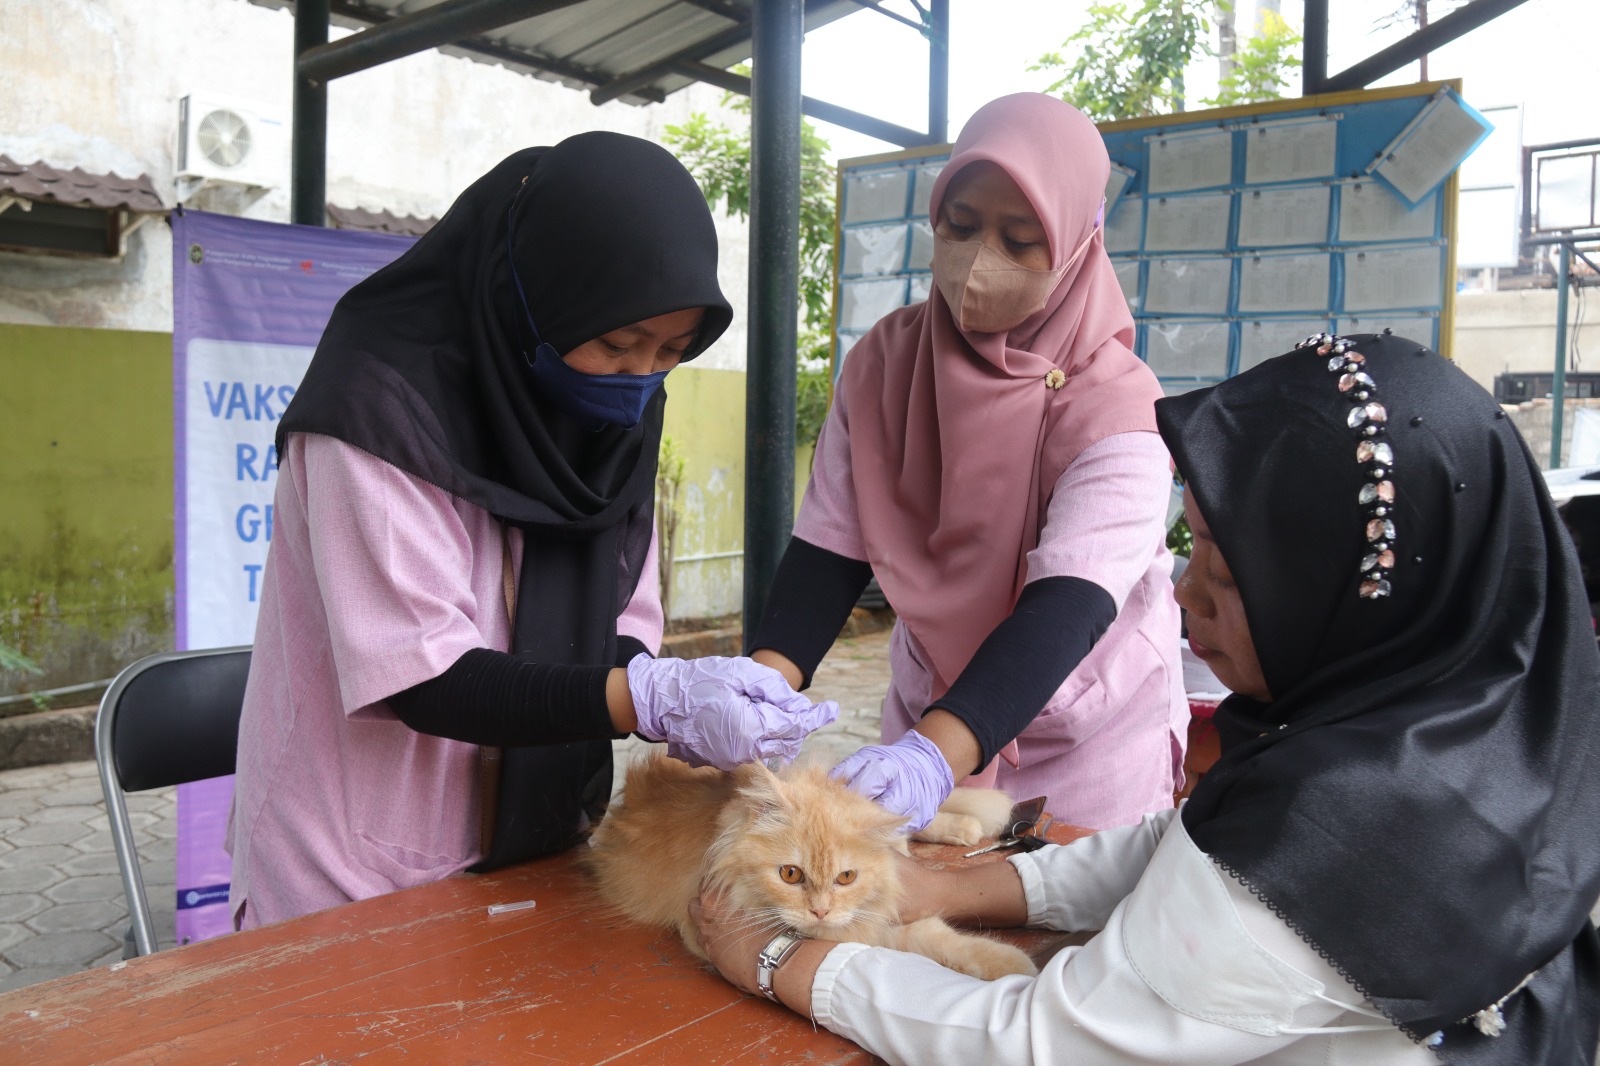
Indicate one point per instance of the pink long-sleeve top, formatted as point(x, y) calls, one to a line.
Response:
point(376, 581)
point(1108, 746)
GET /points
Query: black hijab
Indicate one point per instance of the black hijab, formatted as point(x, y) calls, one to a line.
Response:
point(423, 366)
point(1419, 799)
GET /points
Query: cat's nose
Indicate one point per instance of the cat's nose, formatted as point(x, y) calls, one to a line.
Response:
point(820, 912)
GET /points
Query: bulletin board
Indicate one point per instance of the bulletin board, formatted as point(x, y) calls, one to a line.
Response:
point(1235, 233)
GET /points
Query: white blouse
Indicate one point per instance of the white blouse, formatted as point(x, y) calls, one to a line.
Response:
point(1189, 968)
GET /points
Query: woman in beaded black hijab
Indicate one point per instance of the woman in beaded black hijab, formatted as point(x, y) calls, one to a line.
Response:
point(1413, 788)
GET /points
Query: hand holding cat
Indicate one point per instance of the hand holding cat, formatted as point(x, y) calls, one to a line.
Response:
point(909, 777)
point(722, 712)
point(731, 940)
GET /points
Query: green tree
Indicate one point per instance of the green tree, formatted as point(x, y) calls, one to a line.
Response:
point(719, 158)
point(1260, 69)
point(1128, 62)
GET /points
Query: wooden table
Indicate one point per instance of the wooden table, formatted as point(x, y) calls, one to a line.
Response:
point(428, 976)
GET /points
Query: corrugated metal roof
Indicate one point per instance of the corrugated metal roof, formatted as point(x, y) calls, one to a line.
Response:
point(42, 182)
point(379, 221)
point(595, 42)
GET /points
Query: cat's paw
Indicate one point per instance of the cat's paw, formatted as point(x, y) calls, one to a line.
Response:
point(988, 959)
point(948, 828)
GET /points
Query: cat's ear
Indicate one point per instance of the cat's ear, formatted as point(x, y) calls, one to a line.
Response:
point(885, 827)
point(760, 788)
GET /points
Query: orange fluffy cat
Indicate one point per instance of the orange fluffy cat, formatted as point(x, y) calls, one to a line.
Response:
point(797, 849)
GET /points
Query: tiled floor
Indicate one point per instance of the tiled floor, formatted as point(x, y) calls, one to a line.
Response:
point(61, 903)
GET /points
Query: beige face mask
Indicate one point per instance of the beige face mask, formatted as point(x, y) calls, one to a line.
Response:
point(988, 292)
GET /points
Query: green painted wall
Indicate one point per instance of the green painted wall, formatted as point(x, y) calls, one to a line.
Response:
point(85, 499)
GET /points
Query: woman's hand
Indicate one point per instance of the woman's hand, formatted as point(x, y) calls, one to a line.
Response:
point(926, 891)
point(722, 712)
point(732, 940)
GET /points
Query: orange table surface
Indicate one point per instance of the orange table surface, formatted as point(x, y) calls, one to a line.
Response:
point(428, 976)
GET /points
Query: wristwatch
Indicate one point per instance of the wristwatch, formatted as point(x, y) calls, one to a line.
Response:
point(777, 951)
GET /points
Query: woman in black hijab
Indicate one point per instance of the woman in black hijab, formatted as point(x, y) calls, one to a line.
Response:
point(1395, 857)
point(463, 522)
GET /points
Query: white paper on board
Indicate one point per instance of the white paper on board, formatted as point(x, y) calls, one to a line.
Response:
point(1283, 282)
point(921, 257)
point(1380, 278)
point(876, 194)
point(1419, 328)
point(1421, 159)
point(1273, 218)
point(874, 249)
point(1128, 278)
point(1116, 184)
point(869, 299)
point(1189, 286)
point(1125, 225)
point(922, 194)
point(1262, 338)
point(1197, 223)
point(1370, 211)
point(1190, 161)
point(1187, 349)
point(1291, 151)
point(921, 286)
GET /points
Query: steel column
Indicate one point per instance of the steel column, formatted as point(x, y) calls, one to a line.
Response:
point(1558, 383)
point(779, 29)
point(1314, 60)
point(939, 72)
point(308, 153)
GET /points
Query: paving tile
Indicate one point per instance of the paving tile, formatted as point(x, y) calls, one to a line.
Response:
point(69, 949)
point(83, 814)
point(50, 833)
point(85, 889)
point(37, 855)
point(158, 800)
point(87, 793)
point(32, 975)
point(12, 933)
point(79, 865)
point(14, 802)
point(75, 917)
point(29, 879)
point(83, 768)
point(21, 906)
point(9, 825)
point(33, 776)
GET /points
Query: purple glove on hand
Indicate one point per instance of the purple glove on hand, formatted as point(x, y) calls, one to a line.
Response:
point(722, 712)
point(908, 777)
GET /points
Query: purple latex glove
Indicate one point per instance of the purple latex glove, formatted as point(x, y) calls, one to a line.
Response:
point(722, 712)
point(908, 777)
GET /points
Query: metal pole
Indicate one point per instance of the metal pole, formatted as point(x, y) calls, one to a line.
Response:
point(1314, 62)
point(1410, 49)
point(779, 29)
point(1558, 385)
point(939, 71)
point(308, 155)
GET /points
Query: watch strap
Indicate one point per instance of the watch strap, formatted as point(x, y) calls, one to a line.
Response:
point(777, 951)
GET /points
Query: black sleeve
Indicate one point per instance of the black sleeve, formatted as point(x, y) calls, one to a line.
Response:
point(1019, 666)
point(810, 601)
point(490, 697)
point(628, 647)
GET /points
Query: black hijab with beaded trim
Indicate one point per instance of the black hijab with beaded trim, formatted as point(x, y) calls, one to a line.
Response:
point(1421, 799)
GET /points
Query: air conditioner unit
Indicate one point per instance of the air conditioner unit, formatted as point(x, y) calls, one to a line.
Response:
point(226, 140)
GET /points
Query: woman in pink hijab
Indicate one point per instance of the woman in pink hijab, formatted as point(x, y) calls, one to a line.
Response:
point(992, 457)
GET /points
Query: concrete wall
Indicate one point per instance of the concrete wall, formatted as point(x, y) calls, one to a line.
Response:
point(1496, 332)
point(85, 500)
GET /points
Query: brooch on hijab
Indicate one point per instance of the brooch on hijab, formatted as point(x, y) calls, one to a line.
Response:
point(1055, 379)
point(1367, 417)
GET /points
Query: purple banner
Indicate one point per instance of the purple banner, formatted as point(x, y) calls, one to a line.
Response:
point(250, 300)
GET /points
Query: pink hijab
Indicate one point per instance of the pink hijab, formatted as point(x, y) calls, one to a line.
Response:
point(956, 439)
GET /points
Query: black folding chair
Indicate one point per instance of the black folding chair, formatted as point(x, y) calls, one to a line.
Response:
point(165, 720)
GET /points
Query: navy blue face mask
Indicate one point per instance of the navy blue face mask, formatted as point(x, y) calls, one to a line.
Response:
point(595, 400)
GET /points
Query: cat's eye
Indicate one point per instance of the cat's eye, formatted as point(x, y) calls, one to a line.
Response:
point(792, 875)
point(845, 878)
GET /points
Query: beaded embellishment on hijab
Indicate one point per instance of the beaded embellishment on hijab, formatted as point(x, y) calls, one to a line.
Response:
point(1368, 418)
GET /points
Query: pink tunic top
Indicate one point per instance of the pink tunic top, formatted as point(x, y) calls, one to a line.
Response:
point(376, 581)
point(1108, 746)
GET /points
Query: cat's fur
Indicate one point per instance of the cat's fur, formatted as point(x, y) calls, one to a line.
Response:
point(675, 827)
